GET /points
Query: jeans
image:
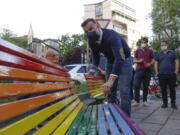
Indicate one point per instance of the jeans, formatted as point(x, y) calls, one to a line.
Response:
point(142, 76)
point(122, 84)
point(170, 81)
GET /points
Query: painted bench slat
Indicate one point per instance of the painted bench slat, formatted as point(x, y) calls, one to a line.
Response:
point(112, 125)
point(18, 62)
point(53, 124)
point(20, 74)
point(102, 130)
point(7, 110)
point(74, 127)
point(14, 89)
point(66, 124)
point(22, 126)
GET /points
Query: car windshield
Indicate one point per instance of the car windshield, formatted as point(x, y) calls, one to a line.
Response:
point(69, 67)
point(82, 70)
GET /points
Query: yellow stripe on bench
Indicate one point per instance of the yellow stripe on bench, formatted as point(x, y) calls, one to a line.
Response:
point(53, 124)
point(22, 126)
point(64, 127)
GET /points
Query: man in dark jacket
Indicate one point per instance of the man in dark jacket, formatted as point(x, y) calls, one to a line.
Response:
point(119, 65)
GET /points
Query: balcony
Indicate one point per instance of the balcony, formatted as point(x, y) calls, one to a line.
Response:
point(120, 30)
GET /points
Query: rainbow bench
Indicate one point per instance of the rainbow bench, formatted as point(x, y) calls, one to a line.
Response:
point(45, 102)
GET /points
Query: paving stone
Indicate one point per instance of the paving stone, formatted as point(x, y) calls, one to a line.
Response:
point(169, 132)
point(156, 119)
point(172, 125)
point(139, 115)
point(150, 127)
point(137, 121)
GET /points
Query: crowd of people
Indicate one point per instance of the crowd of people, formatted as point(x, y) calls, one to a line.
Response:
point(119, 73)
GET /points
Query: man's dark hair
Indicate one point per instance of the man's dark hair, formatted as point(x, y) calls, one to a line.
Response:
point(164, 41)
point(86, 22)
point(144, 39)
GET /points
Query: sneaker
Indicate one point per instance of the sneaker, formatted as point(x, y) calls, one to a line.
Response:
point(146, 104)
point(135, 104)
point(174, 107)
point(164, 106)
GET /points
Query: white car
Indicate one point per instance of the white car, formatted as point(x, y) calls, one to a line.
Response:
point(77, 71)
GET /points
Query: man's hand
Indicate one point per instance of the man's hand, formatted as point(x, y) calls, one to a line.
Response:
point(106, 88)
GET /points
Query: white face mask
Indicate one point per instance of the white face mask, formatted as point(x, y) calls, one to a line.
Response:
point(163, 48)
point(143, 45)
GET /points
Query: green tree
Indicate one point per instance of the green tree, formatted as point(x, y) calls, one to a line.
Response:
point(8, 35)
point(68, 43)
point(166, 17)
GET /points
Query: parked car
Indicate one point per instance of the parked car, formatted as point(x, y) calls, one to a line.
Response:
point(77, 71)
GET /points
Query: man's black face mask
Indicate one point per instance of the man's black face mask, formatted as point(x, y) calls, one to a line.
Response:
point(92, 36)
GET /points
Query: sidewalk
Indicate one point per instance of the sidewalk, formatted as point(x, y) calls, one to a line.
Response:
point(157, 121)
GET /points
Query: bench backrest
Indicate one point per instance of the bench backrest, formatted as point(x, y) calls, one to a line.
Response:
point(94, 84)
point(40, 91)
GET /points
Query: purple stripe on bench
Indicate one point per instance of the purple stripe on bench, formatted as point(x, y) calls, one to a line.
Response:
point(130, 122)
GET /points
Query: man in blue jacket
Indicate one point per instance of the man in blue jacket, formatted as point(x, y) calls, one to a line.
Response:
point(119, 65)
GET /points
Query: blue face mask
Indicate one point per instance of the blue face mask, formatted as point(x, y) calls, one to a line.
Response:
point(163, 48)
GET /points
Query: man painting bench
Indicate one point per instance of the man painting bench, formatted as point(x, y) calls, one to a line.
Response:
point(119, 67)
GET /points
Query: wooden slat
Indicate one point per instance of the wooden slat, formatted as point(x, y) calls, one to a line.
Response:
point(20, 74)
point(12, 109)
point(100, 95)
point(120, 121)
point(112, 125)
point(53, 124)
point(24, 125)
point(15, 50)
point(74, 127)
point(93, 122)
point(18, 62)
point(9, 90)
point(66, 124)
point(130, 122)
point(102, 130)
point(83, 127)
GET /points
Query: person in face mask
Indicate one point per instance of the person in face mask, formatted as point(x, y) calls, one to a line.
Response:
point(166, 67)
point(144, 58)
point(119, 64)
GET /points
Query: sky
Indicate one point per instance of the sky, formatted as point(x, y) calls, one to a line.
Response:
point(52, 18)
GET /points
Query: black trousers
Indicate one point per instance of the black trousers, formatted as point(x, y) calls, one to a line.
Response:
point(168, 80)
point(142, 76)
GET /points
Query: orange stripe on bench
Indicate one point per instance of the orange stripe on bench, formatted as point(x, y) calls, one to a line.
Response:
point(12, 109)
point(9, 90)
point(15, 61)
point(20, 74)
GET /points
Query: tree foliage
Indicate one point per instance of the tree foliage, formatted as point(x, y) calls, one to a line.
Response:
point(8, 35)
point(68, 43)
point(166, 18)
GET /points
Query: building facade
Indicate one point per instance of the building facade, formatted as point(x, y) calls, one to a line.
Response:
point(123, 18)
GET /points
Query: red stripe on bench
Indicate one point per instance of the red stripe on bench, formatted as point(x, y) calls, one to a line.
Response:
point(15, 50)
point(15, 61)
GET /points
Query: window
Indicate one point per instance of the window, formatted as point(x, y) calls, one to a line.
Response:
point(69, 67)
point(82, 70)
point(98, 10)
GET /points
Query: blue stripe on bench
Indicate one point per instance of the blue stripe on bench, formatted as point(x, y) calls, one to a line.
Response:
point(121, 122)
point(112, 125)
point(101, 122)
